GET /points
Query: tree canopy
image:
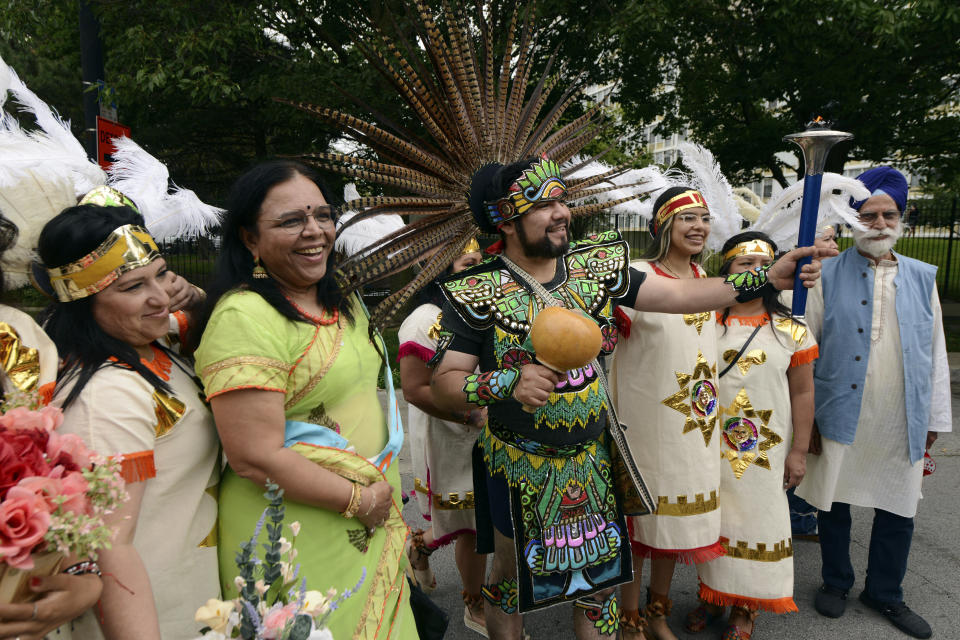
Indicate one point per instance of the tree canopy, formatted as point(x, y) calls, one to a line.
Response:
point(196, 81)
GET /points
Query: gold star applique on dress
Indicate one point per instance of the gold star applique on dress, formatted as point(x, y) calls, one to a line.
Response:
point(742, 431)
point(697, 398)
point(750, 358)
point(697, 320)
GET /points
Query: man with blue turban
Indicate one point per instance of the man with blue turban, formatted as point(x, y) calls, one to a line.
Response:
point(882, 395)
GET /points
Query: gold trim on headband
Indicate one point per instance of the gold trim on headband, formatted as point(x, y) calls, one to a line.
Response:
point(126, 248)
point(750, 248)
point(690, 199)
point(472, 246)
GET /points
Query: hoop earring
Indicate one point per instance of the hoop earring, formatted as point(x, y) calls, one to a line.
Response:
point(259, 273)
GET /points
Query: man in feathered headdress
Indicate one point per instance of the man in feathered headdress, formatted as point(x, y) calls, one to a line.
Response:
point(882, 395)
point(543, 477)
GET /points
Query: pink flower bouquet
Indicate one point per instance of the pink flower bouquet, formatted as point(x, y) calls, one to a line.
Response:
point(54, 493)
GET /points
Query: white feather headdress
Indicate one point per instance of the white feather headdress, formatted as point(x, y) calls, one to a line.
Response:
point(45, 171)
point(706, 177)
point(780, 217)
point(364, 233)
point(630, 182)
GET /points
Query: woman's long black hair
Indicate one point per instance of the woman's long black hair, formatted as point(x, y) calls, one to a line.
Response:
point(81, 343)
point(234, 268)
point(771, 297)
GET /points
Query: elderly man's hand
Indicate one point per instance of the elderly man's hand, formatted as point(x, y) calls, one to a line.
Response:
point(781, 272)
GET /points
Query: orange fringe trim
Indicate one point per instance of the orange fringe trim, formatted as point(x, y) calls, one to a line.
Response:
point(183, 326)
point(805, 357)
point(698, 555)
point(745, 321)
point(45, 393)
point(776, 605)
point(137, 467)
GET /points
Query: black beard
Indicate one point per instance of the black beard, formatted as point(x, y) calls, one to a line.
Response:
point(542, 248)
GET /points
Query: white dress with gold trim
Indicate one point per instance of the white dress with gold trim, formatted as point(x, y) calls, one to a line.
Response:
point(27, 355)
point(440, 450)
point(663, 382)
point(755, 432)
point(170, 442)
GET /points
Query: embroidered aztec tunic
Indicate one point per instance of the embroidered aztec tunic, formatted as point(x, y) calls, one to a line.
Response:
point(168, 441)
point(440, 450)
point(327, 370)
point(756, 429)
point(671, 412)
point(566, 524)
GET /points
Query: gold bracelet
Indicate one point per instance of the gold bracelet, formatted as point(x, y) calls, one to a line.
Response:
point(354, 505)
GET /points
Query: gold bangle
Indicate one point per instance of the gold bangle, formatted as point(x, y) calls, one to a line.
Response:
point(372, 504)
point(354, 505)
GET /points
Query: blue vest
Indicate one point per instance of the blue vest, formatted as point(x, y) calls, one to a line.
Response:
point(841, 371)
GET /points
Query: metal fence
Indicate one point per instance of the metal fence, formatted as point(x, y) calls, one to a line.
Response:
point(931, 236)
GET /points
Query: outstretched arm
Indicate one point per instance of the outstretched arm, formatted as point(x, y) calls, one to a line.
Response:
point(705, 294)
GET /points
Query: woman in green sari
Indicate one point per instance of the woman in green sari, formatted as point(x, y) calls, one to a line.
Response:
point(291, 375)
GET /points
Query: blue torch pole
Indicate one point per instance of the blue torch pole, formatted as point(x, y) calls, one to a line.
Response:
point(815, 142)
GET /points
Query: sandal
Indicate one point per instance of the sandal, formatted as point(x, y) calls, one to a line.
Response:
point(417, 550)
point(702, 617)
point(733, 632)
point(473, 613)
point(633, 626)
point(657, 610)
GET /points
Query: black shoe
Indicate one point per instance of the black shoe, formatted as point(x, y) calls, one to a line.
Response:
point(830, 601)
point(901, 616)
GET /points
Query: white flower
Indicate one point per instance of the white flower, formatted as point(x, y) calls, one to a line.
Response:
point(320, 634)
point(293, 554)
point(315, 604)
point(215, 614)
point(286, 571)
point(239, 583)
point(295, 528)
point(261, 587)
point(285, 545)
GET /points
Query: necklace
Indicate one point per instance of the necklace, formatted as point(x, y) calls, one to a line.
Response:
point(669, 270)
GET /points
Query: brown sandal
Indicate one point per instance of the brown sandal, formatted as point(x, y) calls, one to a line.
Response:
point(633, 626)
point(733, 632)
point(658, 609)
point(473, 613)
point(423, 577)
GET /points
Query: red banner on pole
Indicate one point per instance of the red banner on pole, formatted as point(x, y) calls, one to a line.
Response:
point(106, 132)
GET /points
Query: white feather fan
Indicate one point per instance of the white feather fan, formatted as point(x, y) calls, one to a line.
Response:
point(707, 178)
point(780, 217)
point(145, 180)
point(632, 181)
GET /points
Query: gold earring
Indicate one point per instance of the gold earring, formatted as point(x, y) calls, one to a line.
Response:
point(259, 272)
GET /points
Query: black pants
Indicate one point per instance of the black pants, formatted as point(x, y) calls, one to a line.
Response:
point(887, 560)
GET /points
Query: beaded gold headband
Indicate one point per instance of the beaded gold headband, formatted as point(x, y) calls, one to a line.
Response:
point(691, 199)
point(750, 248)
point(126, 248)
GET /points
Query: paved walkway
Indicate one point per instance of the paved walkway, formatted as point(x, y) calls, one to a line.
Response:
point(932, 585)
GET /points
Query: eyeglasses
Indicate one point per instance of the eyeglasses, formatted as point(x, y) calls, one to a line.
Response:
point(693, 218)
point(294, 223)
point(870, 217)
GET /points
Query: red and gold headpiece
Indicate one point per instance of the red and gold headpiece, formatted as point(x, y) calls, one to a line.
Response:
point(690, 199)
point(749, 248)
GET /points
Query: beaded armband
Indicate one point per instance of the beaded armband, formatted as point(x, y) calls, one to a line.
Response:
point(83, 568)
point(750, 284)
point(491, 386)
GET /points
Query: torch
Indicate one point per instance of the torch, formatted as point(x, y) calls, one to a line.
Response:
point(815, 143)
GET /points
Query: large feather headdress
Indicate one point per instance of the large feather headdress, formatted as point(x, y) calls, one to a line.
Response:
point(46, 170)
point(780, 217)
point(477, 102)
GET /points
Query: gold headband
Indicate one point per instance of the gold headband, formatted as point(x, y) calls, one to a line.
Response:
point(126, 248)
point(472, 246)
point(749, 248)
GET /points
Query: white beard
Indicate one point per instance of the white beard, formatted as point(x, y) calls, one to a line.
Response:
point(877, 244)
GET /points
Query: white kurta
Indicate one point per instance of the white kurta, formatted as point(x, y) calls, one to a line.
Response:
point(875, 471)
point(117, 413)
point(440, 450)
point(756, 431)
point(664, 384)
